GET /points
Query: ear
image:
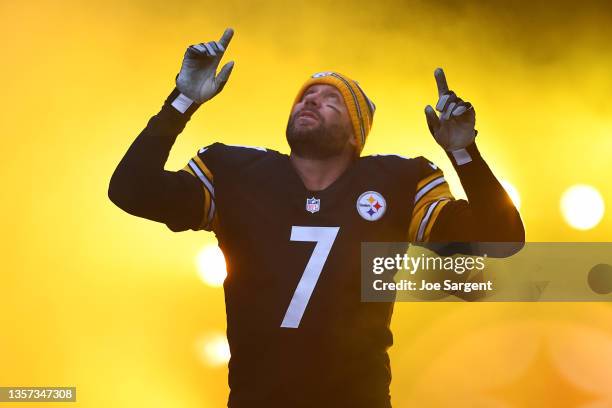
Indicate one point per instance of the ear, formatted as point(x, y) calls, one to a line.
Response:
point(352, 143)
point(352, 140)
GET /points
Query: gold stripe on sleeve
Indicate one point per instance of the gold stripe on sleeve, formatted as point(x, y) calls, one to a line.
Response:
point(204, 175)
point(428, 178)
point(419, 211)
point(203, 167)
point(206, 209)
point(433, 218)
point(188, 170)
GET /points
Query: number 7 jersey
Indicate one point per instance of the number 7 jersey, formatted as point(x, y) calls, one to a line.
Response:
point(297, 329)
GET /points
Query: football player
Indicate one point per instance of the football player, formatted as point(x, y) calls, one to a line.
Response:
point(291, 226)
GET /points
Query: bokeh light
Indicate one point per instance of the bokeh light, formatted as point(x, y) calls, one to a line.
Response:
point(211, 265)
point(582, 206)
point(213, 349)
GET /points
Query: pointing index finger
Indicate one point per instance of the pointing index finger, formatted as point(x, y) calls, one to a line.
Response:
point(226, 37)
point(441, 81)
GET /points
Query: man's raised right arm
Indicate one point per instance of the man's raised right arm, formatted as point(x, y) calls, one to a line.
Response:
point(140, 185)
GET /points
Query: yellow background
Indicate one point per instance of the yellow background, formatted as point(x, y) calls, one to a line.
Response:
point(111, 304)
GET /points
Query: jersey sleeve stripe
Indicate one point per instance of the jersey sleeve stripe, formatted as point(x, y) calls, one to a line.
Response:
point(211, 212)
point(206, 210)
point(199, 172)
point(188, 170)
point(425, 180)
point(428, 187)
point(198, 169)
point(420, 209)
point(440, 191)
point(428, 219)
point(433, 218)
point(203, 167)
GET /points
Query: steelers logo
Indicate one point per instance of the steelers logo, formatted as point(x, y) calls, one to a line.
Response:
point(322, 74)
point(371, 206)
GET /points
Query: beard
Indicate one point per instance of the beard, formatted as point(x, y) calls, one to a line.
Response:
point(321, 141)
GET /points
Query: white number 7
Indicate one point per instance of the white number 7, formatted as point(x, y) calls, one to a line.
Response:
point(324, 237)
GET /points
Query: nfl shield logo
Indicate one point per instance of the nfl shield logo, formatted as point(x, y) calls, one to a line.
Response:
point(313, 205)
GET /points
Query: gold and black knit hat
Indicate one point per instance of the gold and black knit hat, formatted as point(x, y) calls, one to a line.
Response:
point(360, 107)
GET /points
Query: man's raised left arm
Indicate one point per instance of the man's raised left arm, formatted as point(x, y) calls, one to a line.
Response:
point(489, 214)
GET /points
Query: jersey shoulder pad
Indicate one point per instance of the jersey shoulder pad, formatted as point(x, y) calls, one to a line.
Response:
point(393, 164)
point(426, 167)
point(387, 160)
point(392, 156)
point(220, 156)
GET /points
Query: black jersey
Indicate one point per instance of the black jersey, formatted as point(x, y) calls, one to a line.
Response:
point(298, 333)
point(295, 323)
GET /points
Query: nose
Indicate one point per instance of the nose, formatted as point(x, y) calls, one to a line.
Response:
point(312, 99)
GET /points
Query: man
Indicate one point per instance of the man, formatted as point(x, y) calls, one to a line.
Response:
point(291, 227)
